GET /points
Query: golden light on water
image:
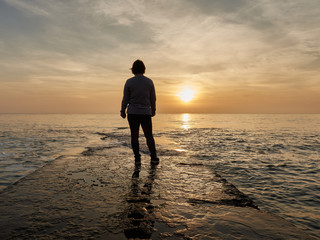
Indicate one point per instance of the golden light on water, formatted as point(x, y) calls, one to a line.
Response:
point(185, 118)
point(186, 95)
point(185, 121)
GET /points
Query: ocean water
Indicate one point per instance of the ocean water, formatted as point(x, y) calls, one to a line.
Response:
point(272, 158)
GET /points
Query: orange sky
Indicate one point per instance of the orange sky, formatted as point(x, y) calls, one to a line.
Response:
point(238, 56)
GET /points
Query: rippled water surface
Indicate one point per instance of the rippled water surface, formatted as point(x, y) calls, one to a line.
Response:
point(272, 158)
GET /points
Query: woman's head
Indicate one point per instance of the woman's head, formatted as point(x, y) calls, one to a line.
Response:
point(138, 67)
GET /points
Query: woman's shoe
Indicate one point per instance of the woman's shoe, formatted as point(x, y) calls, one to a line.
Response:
point(155, 160)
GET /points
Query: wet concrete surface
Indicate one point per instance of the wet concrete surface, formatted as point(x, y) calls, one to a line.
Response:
point(103, 195)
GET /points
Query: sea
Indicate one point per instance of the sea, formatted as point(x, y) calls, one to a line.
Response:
point(273, 158)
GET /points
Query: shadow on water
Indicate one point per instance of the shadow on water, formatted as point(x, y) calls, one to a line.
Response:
point(140, 210)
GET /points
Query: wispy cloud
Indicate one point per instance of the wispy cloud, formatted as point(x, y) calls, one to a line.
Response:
point(28, 7)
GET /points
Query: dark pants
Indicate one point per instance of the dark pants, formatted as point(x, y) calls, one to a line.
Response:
point(135, 120)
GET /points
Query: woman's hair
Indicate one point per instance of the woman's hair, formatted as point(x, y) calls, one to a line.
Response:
point(138, 67)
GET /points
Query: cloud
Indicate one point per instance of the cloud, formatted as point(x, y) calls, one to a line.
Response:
point(28, 7)
point(212, 7)
point(230, 34)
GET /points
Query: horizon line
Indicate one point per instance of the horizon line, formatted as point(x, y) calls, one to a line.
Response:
point(68, 113)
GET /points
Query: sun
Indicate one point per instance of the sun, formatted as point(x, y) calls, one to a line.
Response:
point(186, 95)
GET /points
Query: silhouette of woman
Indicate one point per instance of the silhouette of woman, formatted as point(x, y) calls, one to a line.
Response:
point(139, 98)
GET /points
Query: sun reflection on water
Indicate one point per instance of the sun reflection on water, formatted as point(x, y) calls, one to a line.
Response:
point(185, 121)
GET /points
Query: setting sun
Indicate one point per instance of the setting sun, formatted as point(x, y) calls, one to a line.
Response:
point(186, 95)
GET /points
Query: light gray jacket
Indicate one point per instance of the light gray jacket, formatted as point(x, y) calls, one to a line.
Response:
point(139, 93)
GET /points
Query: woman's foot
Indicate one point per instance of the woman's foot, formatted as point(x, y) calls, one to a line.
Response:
point(155, 160)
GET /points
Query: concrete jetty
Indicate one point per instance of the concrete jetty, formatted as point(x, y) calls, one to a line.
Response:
point(100, 194)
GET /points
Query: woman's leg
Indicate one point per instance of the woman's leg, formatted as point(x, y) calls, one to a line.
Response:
point(134, 124)
point(146, 124)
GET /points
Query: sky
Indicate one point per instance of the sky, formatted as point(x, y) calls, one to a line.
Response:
point(237, 56)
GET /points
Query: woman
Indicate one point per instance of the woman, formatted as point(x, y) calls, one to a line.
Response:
point(140, 97)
